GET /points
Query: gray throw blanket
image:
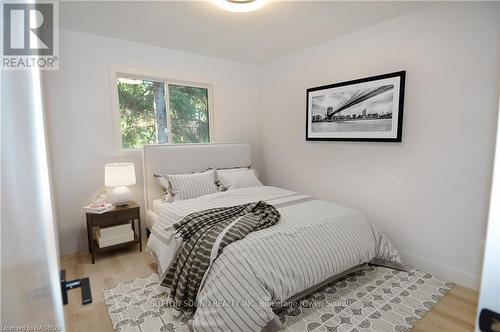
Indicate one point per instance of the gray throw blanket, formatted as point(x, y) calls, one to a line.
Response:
point(204, 234)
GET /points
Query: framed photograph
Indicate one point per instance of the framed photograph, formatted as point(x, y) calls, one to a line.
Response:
point(368, 109)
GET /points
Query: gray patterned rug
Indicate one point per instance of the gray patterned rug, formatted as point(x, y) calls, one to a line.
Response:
point(374, 299)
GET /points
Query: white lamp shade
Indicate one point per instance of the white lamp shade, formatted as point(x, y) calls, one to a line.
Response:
point(119, 174)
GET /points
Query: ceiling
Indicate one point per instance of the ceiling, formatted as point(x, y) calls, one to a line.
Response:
point(279, 28)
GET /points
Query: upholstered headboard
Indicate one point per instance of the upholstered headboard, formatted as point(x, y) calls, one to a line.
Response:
point(186, 158)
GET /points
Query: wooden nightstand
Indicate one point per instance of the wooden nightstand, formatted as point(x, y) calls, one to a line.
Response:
point(117, 216)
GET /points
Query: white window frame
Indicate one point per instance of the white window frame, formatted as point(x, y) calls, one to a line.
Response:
point(133, 74)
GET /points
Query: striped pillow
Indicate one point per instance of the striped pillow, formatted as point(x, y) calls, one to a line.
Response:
point(237, 178)
point(186, 186)
point(166, 187)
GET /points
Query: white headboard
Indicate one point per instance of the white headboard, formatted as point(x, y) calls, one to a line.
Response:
point(186, 158)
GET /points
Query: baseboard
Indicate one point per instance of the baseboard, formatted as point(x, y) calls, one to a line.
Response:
point(443, 272)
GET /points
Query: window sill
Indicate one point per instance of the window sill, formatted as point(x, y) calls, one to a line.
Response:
point(129, 152)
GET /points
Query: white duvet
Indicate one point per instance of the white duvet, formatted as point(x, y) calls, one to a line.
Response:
point(313, 241)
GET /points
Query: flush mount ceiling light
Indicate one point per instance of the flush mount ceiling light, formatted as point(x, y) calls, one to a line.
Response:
point(240, 6)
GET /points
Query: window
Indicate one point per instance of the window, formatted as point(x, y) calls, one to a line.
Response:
point(155, 111)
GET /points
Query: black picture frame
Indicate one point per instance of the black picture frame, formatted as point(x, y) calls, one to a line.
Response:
point(385, 135)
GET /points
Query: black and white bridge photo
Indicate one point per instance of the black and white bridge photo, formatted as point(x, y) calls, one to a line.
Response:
point(366, 109)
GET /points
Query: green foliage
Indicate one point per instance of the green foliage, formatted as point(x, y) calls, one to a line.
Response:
point(137, 114)
point(188, 114)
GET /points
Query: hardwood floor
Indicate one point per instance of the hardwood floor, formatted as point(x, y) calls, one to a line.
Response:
point(454, 313)
point(107, 271)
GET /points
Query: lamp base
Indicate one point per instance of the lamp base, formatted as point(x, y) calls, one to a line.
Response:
point(121, 196)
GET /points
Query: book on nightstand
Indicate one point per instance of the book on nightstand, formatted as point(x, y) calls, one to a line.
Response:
point(113, 235)
point(98, 208)
point(114, 230)
point(115, 239)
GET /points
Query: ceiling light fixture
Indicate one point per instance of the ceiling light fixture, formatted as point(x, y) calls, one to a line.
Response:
point(240, 6)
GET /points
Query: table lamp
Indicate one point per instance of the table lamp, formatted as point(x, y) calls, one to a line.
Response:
point(119, 175)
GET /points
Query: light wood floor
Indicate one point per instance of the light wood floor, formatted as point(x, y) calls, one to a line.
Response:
point(454, 313)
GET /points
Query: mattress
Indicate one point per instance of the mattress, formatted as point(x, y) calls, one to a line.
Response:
point(157, 204)
point(151, 219)
point(313, 241)
point(152, 215)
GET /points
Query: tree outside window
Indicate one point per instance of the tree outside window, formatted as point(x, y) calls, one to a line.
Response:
point(157, 112)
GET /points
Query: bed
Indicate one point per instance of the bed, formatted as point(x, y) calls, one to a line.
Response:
point(313, 242)
point(184, 158)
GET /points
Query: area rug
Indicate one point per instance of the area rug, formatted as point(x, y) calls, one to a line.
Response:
point(373, 299)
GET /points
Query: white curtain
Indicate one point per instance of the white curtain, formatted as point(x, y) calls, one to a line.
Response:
point(30, 290)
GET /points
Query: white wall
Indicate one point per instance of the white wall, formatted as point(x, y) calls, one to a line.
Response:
point(430, 193)
point(79, 116)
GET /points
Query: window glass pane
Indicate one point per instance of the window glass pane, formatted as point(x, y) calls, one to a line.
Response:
point(188, 114)
point(143, 117)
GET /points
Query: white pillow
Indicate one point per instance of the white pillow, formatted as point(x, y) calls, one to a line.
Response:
point(238, 178)
point(224, 170)
point(186, 186)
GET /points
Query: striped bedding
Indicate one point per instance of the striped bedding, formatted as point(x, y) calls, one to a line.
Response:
point(186, 186)
point(204, 236)
point(238, 178)
point(313, 241)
